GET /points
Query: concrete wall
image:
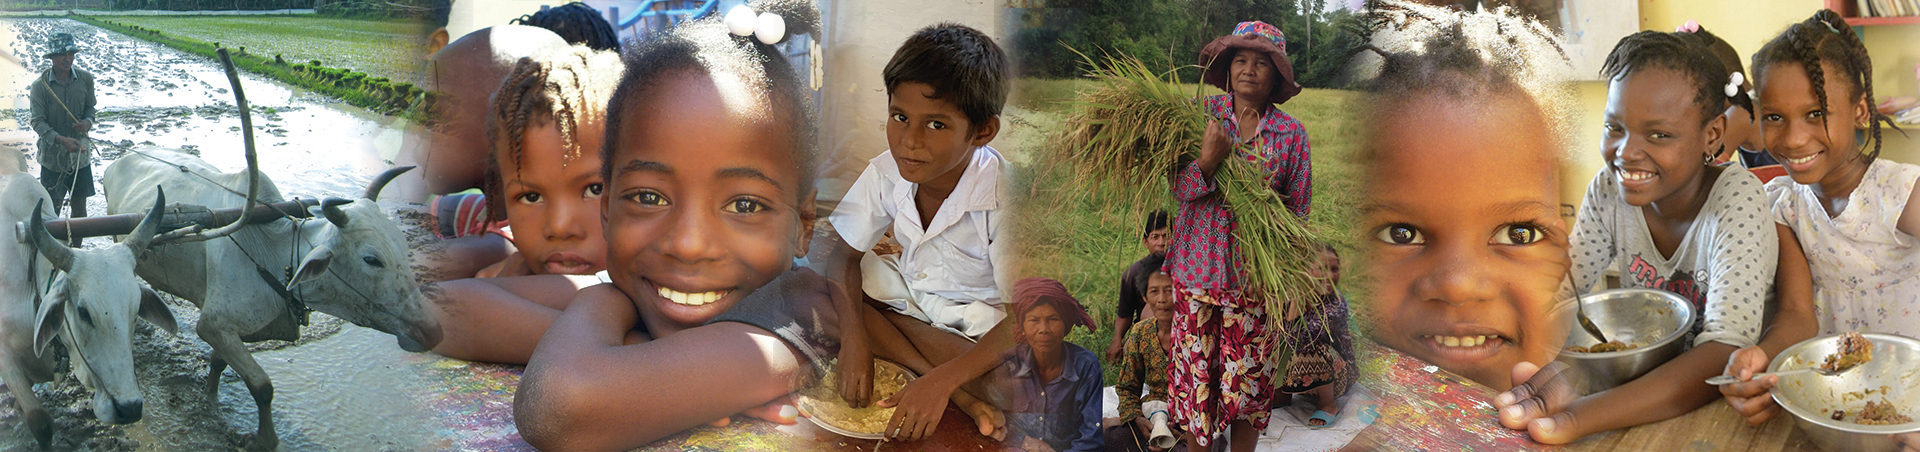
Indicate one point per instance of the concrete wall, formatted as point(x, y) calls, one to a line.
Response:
point(860, 37)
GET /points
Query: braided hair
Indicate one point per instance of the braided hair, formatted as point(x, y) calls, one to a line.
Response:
point(1826, 37)
point(1730, 59)
point(565, 89)
point(1676, 52)
point(577, 23)
point(706, 47)
point(1469, 56)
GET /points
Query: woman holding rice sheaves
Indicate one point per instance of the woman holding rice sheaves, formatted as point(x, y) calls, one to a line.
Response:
point(1222, 371)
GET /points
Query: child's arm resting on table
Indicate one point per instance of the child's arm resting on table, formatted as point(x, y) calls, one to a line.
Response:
point(585, 390)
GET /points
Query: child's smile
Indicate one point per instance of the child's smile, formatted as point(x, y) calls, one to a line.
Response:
point(1798, 130)
point(705, 203)
point(1467, 267)
point(1655, 145)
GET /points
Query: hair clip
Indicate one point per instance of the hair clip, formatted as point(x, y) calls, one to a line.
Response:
point(769, 28)
point(1830, 27)
point(1733, 84)
point(1692, 26)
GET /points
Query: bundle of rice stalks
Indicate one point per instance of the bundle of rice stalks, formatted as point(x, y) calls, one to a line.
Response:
point(1130, 133)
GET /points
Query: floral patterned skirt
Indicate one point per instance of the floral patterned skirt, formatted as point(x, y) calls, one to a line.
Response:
point(1222, 369)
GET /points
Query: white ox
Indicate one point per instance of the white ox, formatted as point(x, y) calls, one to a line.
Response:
point(90, 306)
point(354, 265)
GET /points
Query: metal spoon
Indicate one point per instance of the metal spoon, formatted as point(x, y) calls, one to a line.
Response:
point(1729, 379)
point(1580, 306)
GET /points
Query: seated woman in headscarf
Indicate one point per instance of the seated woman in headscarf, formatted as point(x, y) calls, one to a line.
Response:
point(1055, 385)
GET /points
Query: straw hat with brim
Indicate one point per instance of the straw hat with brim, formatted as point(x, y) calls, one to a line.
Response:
point(61, 43)
point(1254, 36)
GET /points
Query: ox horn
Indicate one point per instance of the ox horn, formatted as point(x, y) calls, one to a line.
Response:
point(57, 253)
point(380, 182)
point(330, 208)
point(143, 234)
point(253, 164)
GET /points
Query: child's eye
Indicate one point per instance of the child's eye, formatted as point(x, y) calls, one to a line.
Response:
point(1817, 114)
point(899, 117)
point(1770, 117)
point(648, 198)
point(1614, 129)
point(746, 206)
point(529, 198)
point(1658, 136)
point(1400, 234)
point(1518, 234)
point(593, 190)
point(936, 125)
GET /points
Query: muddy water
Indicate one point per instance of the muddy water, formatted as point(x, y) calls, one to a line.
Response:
point(341, 387)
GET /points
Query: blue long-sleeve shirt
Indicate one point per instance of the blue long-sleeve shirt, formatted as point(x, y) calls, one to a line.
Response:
point(1065, 412)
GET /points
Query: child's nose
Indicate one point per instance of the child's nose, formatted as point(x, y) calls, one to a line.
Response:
point(565, 221)
point(1459, 277)
point(691, 237)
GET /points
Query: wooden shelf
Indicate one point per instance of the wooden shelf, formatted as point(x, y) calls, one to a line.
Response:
point(1847, 9)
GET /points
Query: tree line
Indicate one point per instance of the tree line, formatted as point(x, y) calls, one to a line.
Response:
point(1168, 34)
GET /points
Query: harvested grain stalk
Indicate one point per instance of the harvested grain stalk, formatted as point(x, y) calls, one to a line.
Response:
point(1128, 134)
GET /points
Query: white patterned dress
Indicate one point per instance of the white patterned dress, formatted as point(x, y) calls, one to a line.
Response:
point(1866, 273)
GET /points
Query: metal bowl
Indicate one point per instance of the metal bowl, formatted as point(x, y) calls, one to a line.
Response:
point(809, 405)
point(1812, 398)
point(1655, 319)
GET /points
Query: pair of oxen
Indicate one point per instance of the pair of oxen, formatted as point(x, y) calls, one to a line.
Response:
point(345, 258)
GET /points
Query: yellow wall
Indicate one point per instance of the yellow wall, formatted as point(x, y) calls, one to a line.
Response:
point(1747, 24)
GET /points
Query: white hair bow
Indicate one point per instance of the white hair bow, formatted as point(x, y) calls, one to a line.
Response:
point(769, 28)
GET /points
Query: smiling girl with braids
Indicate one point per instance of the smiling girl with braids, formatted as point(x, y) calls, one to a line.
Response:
point(1667, 218)
point(1856, 216)
point(710, 160)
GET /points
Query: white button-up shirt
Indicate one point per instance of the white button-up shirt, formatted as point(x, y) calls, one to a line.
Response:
point(959, 253)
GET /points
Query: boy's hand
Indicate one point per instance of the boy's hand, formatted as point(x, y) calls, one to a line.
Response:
point(1214, 145)
point(1115, 349)
point(1752, 397)
point(1538, 403)
point(918, 408)
point(83, 126)
point(856, 370)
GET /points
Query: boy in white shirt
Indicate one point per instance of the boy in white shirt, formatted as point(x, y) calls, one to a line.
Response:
point(936, 307)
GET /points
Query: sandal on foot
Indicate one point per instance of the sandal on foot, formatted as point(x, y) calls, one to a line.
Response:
point(1322, 416)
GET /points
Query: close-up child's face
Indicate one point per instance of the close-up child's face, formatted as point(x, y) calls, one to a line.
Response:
point(705, 204)
point(1160, 292)
point(1253, 74)
point(1809, 139)
point(931, 138)
point(1466, 273)
point(1655, 145)
point(1158, 241)
point(554, 203)
point(1044, 328)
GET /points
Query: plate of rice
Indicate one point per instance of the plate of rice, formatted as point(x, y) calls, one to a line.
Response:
point(822, 402)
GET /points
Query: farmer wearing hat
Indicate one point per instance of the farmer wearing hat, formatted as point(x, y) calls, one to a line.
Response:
point(1223, 377)
point(63, 108)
